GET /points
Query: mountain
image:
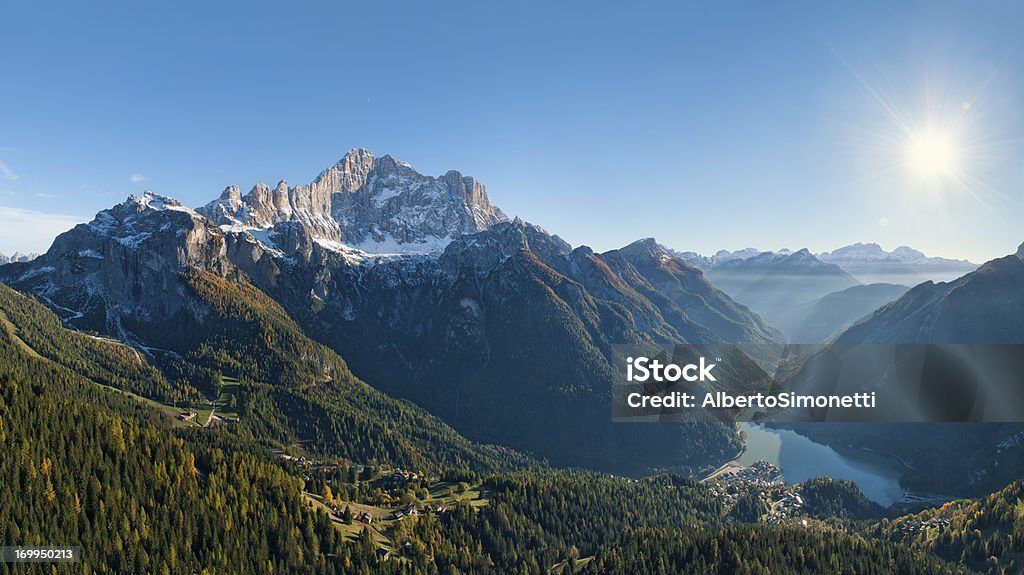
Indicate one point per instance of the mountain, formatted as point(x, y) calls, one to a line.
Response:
point(830, 313)
point(977, 324)
point(154, 274)
point(110, 473)
point(660, 274)
point(378, 205)
point(124, 265)
point(510, 335)
point(503, 330)
point(777, 285)
point(985, 306)
point(869, 263)
point(707, 262)
point(507, 334)
point(17, 257)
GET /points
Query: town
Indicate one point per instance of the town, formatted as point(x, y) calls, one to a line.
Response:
point(762, 479)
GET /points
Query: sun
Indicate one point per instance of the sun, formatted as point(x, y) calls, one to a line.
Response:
point(939, 144)
point(932, 155)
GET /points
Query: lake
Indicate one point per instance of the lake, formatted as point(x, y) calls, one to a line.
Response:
point(801, 459)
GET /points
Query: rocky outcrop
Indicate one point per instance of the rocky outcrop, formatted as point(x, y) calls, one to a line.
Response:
point(124, 264)
point(379, 205)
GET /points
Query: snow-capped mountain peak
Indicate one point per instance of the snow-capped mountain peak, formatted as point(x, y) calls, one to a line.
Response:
point(872, 252)
point(378, 205)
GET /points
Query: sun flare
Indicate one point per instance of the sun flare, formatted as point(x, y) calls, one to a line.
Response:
point(932, 155)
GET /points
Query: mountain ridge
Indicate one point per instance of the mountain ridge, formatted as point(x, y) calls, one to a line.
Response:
point(375, 204)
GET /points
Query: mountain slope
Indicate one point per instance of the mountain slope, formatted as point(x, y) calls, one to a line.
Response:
point(984, 306)
point(762, 550)
point(660, 274)
point(977, 320)
point(985, 534)
point(496, 340)
point(108, 473)
point(100, 470)
point(827, 315)
point(290, 388)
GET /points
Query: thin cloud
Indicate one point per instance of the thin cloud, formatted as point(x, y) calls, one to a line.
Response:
point(32, 231)
point(7, 173)
point(138, 178)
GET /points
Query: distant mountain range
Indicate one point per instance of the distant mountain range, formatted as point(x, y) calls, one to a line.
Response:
point(784, 286)
point(17, 257)
point(870, 263)
point(778, 285)
point(867, 262)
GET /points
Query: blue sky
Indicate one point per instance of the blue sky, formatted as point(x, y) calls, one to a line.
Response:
point(707, 125)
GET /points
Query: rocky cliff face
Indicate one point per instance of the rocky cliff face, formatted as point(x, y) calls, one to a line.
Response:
point(378, 205)
point(124, 264)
